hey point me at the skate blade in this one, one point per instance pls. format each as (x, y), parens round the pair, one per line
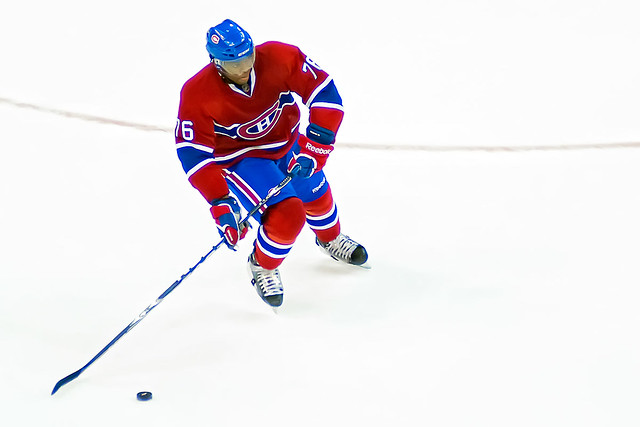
(366, 265)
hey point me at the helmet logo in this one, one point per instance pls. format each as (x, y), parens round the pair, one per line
(215, 39)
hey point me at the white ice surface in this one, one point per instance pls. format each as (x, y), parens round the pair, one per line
(504, 288)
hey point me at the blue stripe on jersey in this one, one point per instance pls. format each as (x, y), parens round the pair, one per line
(231, 131)
(328, 94)
(191, 155)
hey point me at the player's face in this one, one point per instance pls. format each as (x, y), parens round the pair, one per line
(238, 71)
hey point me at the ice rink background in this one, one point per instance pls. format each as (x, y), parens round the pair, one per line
(504, 287)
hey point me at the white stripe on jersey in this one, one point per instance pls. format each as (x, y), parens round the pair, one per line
(318, 89)
(192, 145)
(247, 149)
(328, 105)
(197, 167)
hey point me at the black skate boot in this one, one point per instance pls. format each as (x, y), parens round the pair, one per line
(343, 248)
(267, 283)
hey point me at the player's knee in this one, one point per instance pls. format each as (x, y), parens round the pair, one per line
(321, 205)
(284, 220)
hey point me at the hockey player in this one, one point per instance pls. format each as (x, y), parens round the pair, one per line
(237, 133)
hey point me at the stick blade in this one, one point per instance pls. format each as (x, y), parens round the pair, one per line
(65, 380)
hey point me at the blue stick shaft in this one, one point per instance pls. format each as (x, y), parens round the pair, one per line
(275, 190)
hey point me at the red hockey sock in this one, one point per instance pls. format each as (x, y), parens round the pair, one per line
(322, 217)
(281, 224)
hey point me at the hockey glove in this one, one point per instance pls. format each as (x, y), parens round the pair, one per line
(226, 212)
(311, 152)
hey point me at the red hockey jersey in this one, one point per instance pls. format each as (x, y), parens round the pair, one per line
(220, 124)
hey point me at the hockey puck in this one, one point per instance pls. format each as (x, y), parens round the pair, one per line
(144, 395)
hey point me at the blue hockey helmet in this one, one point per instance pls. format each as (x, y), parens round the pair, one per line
(227, 41)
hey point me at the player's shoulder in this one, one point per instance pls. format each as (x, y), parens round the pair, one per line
(276, 48)
(201, 80)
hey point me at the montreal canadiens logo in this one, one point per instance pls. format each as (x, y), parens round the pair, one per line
(215, 39)
(261, 125)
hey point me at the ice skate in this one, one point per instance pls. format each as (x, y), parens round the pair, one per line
(344, 249)
(267, 283)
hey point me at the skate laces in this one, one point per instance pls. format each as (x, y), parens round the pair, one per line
(269, 282)
(341, 247)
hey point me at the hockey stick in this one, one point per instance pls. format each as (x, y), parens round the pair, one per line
(275, 190)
